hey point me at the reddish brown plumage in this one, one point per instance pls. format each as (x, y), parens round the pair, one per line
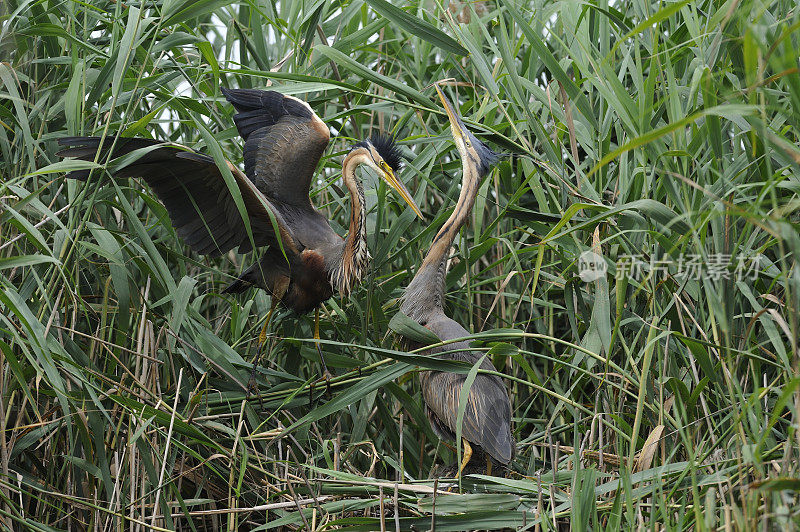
(311, 286)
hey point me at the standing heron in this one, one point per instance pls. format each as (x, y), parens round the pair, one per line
(487, 418)
(305, 260)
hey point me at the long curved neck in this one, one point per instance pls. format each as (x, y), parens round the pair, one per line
(355, 255)
(425, 294)
(440, 247)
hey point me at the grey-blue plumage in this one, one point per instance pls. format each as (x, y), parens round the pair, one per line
(487, 418)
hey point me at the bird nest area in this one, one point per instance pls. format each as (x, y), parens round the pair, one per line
(626, 278)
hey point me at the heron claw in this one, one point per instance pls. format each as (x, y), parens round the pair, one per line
(326, 373)
(252, 386)
(327, 376)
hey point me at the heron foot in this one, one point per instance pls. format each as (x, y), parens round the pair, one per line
(252, 387)
(326, 376)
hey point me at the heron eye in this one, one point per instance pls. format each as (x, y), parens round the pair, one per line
(469, 144)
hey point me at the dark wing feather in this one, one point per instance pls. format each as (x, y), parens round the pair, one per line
(284, 141)
(487, 418)
(195, 194)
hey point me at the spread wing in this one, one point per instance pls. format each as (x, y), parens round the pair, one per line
(284, 141)
(192, 188)
(487, 418)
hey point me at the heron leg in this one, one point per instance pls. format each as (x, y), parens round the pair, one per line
(252, 386)
(488, 465)
(326, 374)
(467, 456)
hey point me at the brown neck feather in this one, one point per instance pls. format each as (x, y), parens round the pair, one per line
(440, 247)
(424, 296)
(355, 254)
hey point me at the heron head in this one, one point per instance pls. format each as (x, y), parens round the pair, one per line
(383, 156)
(478, 154)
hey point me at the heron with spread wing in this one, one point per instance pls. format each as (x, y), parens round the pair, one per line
(305, 260)
(487, 419)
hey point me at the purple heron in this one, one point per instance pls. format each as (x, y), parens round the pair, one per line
(487, 418)
(305, 260)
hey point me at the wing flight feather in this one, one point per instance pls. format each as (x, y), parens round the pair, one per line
(284, 142)
(194, 191)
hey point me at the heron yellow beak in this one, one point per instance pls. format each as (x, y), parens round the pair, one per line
(392, 181)
(456, 124)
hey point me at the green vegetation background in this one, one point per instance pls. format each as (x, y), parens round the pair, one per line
(658, 129)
